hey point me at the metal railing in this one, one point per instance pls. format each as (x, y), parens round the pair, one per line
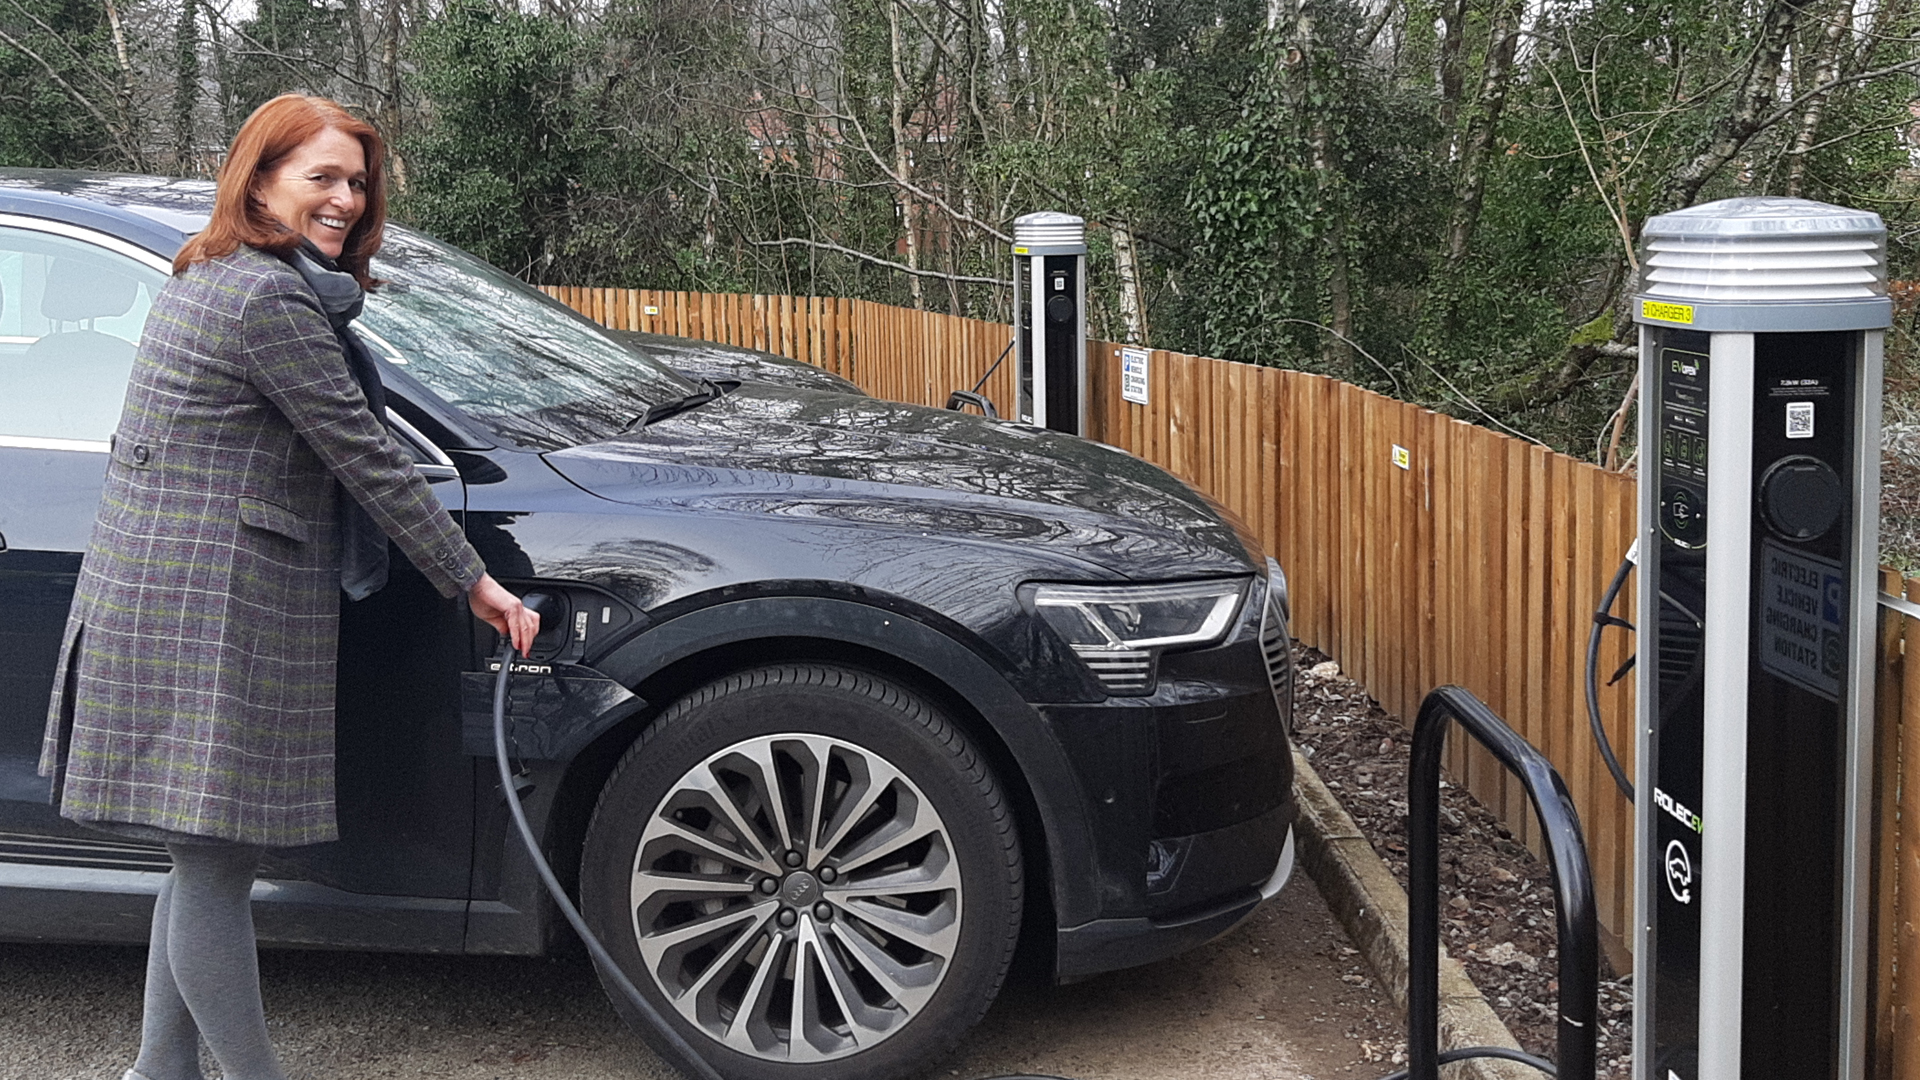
(1579, 938)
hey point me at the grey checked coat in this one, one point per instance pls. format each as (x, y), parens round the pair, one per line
(196, 681)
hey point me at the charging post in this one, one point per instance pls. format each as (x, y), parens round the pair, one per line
(1050, 320)
(1762, 325)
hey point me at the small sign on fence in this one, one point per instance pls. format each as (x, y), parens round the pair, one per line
(1402, 456)
(1133, 375)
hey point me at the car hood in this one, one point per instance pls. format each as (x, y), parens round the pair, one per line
(942, 474)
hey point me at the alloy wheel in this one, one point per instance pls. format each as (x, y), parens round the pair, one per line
(795, 896)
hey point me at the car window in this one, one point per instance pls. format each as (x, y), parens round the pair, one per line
(518, 361)
(70, 316)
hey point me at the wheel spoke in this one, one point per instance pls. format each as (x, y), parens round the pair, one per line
(705, 782)
(935, 932)
(698, 996)
(879, 777)
(656, 945)
(885, 842)
(906, 881)
(657, 884)
(911, 986)
(819, 753)
(750, 1017)
(708, 845)
(761, 754)
(799, 1047)
(862, 1018)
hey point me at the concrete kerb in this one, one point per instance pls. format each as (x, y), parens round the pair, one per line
(1372, 907)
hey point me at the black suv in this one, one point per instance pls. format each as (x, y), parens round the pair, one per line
(833, 695)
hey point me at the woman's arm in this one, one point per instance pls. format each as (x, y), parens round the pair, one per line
(292, 356)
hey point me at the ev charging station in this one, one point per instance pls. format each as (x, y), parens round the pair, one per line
(1050, 320)
(1762, 323)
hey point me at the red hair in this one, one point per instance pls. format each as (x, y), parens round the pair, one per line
(274, 131)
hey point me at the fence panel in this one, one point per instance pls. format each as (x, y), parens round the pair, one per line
(1893, 1037)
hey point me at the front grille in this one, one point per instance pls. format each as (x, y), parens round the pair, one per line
(1121, 671)
(1277, 647)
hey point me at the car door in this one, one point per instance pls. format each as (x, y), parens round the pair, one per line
(72, 302)
(404, 781)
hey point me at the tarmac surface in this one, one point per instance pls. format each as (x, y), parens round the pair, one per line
(1284, 997)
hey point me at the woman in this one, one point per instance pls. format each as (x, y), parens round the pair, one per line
(250, 481)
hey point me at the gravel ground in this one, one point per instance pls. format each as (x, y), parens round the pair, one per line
(1497, 914)
(1284, 997)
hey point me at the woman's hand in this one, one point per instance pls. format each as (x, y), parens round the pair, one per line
(500, 609)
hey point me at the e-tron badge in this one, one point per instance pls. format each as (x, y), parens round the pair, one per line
(1679, 872)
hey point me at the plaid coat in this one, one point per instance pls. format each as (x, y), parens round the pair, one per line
(195, 687)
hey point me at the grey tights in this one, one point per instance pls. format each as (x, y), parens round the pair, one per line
(203, 970)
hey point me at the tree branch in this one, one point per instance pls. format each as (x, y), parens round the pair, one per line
(78, 98)
(823, 245)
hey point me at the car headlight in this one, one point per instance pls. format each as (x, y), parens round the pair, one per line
(1118, 630)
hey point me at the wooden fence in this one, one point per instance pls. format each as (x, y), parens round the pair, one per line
(917, 356)
(1420, 550)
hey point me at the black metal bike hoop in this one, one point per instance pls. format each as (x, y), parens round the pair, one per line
(1579, 938)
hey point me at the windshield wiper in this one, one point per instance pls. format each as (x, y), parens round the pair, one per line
(709, 390)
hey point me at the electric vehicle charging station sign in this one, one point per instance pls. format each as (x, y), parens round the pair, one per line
(1803, 608)
(1133, 375)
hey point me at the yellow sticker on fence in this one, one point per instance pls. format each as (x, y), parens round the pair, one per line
(1654, 309)
(651, 310)
(1402, 456)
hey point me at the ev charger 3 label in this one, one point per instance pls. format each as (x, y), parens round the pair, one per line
(1803, 609)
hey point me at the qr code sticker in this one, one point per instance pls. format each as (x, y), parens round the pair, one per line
(1799, 419)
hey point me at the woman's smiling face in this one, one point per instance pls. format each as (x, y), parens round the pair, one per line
(319, 190)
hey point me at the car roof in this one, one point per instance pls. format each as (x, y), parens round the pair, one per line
(155, 212)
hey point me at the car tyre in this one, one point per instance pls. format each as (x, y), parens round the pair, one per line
(810, 872)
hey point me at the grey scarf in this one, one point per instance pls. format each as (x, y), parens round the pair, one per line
(363, 547)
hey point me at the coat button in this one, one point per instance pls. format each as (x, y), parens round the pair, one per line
(140, 454)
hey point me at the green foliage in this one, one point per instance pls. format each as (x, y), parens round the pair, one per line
(492, 168)
(299, 45)
(1272, 215)
(45, 120)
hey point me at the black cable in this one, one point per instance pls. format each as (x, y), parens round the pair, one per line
(1603, 617)
(608, 968)
(1448, 1057)
(994, 368)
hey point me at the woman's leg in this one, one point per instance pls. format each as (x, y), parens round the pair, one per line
(169, 1041)
(212, 956)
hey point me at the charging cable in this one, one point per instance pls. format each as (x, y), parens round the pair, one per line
(608, 969)
(1604, 617)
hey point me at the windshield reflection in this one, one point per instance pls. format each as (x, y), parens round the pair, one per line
(518, 361)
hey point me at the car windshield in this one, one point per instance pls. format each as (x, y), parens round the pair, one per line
(510, 356)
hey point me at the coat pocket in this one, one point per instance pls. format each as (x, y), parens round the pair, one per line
(274, 518)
